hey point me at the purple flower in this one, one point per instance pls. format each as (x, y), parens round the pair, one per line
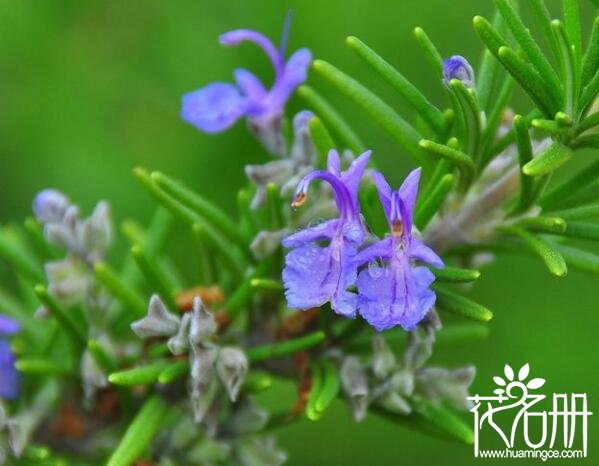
(9, 377)
(457, 67)
(395, 291)
(217, 106)
(313, 273)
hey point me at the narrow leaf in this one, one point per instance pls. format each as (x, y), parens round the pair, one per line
(23, 263)
(578, 259)
(330, 386)
(41, 366)
(154, 276)
(285, 348)
(524, 146)
(458, 304)
(130, 298)
(455, 274)
(442, 418)
(550, 256)
(548, 161)
(431, 114)
(174, 371)
(141, 375)
(583, 178)
(430, 205)
(582, 230)
(580, 213)
(546, 224)
(430, 51)
(322, 140)
(315, 389)
(332, 119)
(591, 56)
(140, 432)
(462, 161)
(399, 129)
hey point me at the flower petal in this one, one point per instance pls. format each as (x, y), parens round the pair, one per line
(408, 192)
(237, 36)
(380, 250)
(323, 231)
(295, 73)
(8, 326)
(334, 162)
(9, 377)
(423, 253)
(250, 85)
(213, 108)
(384, 191)
(353, 175)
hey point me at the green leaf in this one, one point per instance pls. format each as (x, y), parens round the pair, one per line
(266, 284)
(315, 390)
(330, 386)
(582, 230)
(543, 224)
(322, 140)
(583, 178)
(591, 56)
(429, 113)
(548, 161)
(443, 419)
(141, 375)
(430, 205)
(551, 127)
(544, 19)
(524, 146)
(588, 94)
(494, 120)
(274, 205)
(461, 160)
(580, 213)
(136, 305)
(430, 51)
(581, 260)
(460, 305)
(398, 128)
(569, 67)
(472, 115)
(550, 256)
(488, 71)
(587, 123)
(207, 274)
(140, 432)
(174, 371)
(285, 348)
(41, 366)
(154, 276)
(530, 80)
(332, 119)
(572, 26)
(18, 257)
(522, 35)
(455, 274)
(227, 254)
(489, 35)
(63, 316)
(105, 361)
(203, 208)
(590, 141)
(242, 296)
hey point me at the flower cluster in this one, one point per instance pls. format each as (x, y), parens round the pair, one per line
(85, 241)
(395, 292)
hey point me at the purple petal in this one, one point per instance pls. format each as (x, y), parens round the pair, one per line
(8, 326)
(237, 36)
(353, 175)
(309, 276)
(380, 250)
(50, 205)
(409, 190)
(395, 295)
(334, 163)
(423, 253)
(323, 231)
(457, 67)
(384, 191)
(9, 377)
(213, 108)
(250, 85)
(294, 74)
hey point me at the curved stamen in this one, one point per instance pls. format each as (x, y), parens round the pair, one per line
(240, 35)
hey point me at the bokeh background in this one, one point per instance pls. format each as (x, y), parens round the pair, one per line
(91, 88)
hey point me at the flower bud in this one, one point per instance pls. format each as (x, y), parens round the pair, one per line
(383, 361)
(68, 281)
(457, 67)
(355, 386)
(303, 150)
(267, 242)
(158, 323)
(95, 234)
(179, 343)
(442, 385)
(50, 205)
(232, 367)
(203, 325)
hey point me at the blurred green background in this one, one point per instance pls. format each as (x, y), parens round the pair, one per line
(91, 88)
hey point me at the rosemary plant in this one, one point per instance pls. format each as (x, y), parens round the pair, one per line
(138, 365)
